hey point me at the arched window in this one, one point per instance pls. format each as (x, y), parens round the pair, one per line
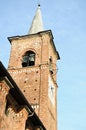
(28, 59)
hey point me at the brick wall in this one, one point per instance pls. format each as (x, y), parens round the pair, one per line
(33, 80)
(10, 117)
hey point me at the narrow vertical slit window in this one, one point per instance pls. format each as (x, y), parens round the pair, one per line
(50, 65)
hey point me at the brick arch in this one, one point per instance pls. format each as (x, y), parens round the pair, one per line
(28, 49)
(28, 58)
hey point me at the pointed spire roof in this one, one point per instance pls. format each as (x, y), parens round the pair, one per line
(37, 24)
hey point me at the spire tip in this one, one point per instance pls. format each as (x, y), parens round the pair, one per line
(39, 5)
(37, 25)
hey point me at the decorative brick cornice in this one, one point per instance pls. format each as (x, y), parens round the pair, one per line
(3, 88)
(23, 70)
(21, 114)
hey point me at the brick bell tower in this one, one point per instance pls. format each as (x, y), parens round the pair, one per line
(32, 65)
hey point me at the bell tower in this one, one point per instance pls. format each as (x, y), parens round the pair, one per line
(32, 65)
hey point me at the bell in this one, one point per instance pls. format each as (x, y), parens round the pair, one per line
(25, 61)
(31, 57)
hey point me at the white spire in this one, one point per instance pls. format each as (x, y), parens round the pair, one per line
(37, 24)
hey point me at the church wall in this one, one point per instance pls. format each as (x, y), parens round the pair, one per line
(10, 118)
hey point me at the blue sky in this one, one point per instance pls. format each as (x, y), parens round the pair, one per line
(67, 20)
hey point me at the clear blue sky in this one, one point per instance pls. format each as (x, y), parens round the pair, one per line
(67, 20)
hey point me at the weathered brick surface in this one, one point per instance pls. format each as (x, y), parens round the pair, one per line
(9, 118)
(33, 80)
(3, 92)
